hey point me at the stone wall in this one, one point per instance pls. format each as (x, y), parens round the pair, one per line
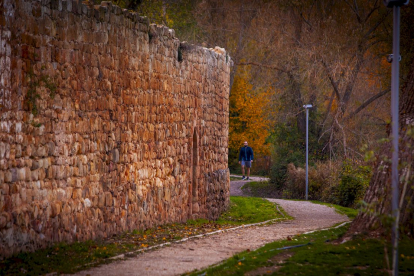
(108, 124)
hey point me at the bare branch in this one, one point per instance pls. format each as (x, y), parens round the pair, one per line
(374, 43)
(353, 77)
(357, 10)
(343, 136)
(306, 21)
(354, 9)
(371, 12)
(331, 79)
(366, 103)
(370, 31)
(329, 107)
(263, 65)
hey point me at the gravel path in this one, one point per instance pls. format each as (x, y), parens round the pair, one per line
(200, 253)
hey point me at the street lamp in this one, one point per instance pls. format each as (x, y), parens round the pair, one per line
(395, 4)
(307, 107)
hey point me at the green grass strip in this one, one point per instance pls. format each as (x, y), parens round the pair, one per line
(350, 212)
(263, 188)
(69, 258)
(317, 255)
(246, 210)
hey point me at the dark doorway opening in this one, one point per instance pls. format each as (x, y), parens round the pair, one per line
(194, 192)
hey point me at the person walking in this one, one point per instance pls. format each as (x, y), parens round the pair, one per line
(246, 159)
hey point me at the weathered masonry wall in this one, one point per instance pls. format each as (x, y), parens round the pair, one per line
(131, 125)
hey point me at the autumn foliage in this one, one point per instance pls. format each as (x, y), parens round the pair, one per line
(248, 120)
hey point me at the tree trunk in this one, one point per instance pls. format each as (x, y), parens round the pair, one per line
(378, 195)
(298, 103)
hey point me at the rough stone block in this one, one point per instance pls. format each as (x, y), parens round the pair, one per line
(77, 194)
(21, 174)
(115, 146)
(56, 208)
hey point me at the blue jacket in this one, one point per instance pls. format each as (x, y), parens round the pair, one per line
(246, 154)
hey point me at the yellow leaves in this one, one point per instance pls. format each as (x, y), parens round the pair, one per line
(169, 20)
(407, 257)
(334, 105)
(248, 116)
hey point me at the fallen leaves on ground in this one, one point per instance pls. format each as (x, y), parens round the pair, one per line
(164, 233)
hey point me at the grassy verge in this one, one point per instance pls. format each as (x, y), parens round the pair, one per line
(69, 258)
(265, 189)
(235, 178)
(350, 212)
(245, 210)
(317, 256)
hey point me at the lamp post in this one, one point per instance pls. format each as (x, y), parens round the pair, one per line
(307, 107)
(395, 59)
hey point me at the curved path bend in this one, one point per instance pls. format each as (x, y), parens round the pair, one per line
(235, 186)
(203, 252)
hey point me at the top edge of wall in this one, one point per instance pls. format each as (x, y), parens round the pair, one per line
(81, 7)
(217, 50)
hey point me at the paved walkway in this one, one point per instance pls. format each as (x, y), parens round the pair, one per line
(203, 252)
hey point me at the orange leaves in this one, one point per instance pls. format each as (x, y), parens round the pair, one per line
(248, 120)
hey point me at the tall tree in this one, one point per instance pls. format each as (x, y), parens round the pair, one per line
(376, 217)
(378, 196)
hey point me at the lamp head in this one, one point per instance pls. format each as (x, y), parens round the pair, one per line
(307, 106)
(392, 3)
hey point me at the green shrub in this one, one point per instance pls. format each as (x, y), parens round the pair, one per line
(278, 175)
(325, 176)
(354, 180)
(295, 182)
(342, 183)
(289, 147)
(279, 169)
(323, 180)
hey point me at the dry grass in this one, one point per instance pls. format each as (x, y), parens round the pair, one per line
(323, 180)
